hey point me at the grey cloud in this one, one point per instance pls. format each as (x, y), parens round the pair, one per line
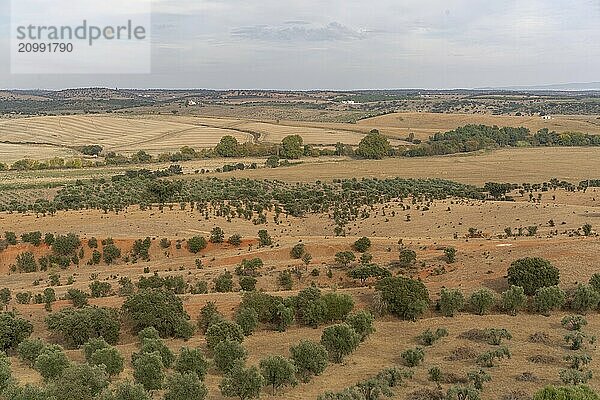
(299, 32)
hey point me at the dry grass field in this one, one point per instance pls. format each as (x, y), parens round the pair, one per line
(504, 165)
(480, 263)
(424, 125)
(426, 227)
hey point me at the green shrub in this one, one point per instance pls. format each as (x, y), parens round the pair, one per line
(482, 301)
(374, 146)
(595, 282)
(243, 383)
(429, 337)
(23, 297)
(451, 301)
(566, 393)
(110, 358)
(51, 362)
(577, 340)
(247, 319)
(29, 349)
(584, 299)
(285, 280)
(78, 326)
(462, 393)
(160, 309)
(156, 346)
(478, 378)
(191, 360)
(100, 289)
(148, 370)
(548, 299)
(264, 239)
(488, 358)
(209, 314)
(278, 372)
(79, 298)
(224, 282)
(450, 253)
(495, 335)
(574, 377)
(337, 306)
(247, 283)
(364, 272)
(406, 298)
(532, 274)
(578, 361)
(93, 345)
(196, 244)
(363, 244)
(297, 251)
(407, 257)
(78, 381)
(573, 322)
(513, 300)
(13, 330)
(413, 357)
(148, 333)
(184, 386)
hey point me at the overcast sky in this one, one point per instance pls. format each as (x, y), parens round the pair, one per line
(353, 44)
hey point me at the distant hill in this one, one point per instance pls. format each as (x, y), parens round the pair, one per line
(587, 86)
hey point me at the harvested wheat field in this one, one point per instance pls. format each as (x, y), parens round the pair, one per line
(10, 153)
(124, 135)
(423, 125)
(505, 165)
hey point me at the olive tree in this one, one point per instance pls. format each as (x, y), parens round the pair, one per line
(148, 370)
(227, 353)
(79, 381)
(340, 341)
(513, 300)
(184, 387)
(243, 383)
(111, 358)
(191, 360)
(51, 362)
(310, 359)
(223, 330)
(481, 301)
(548, 298)
(278, 372)
(13, 330)
(160, 309)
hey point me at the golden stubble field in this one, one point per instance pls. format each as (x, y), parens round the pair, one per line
(54, 136)
(424, 125)
(533, 165)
